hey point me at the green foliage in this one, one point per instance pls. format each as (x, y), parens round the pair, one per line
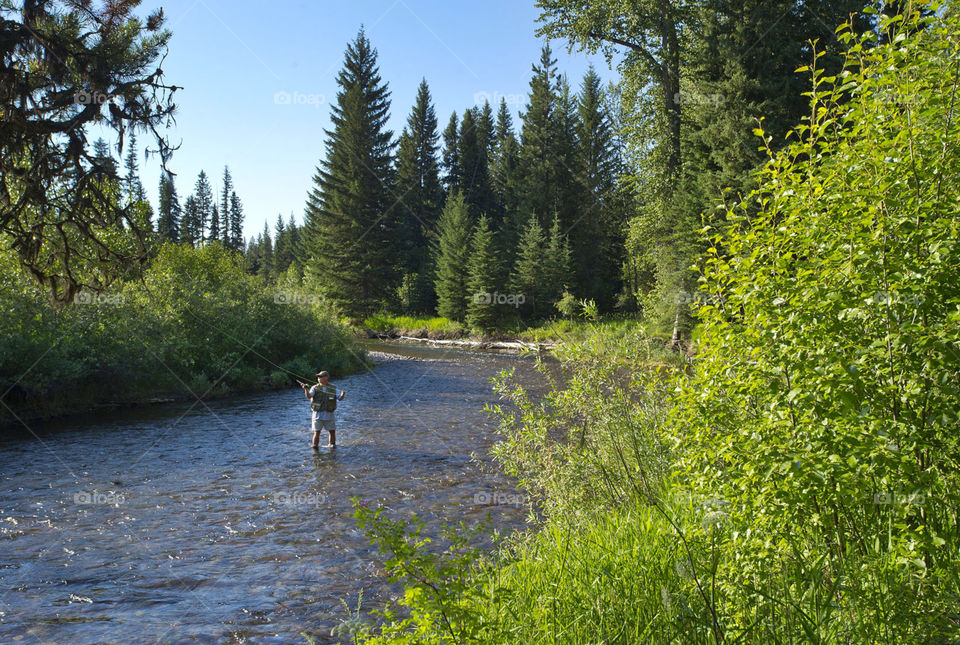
(798, 481)
(418, 184)
(66, 66)
(567, 305)
(409, 325)
(557, 273)
(452, 255)
(196, 325)
(482, 270)
(474, 166)
(348, 244)
(528, 268)
(436, 591)
(825, 402)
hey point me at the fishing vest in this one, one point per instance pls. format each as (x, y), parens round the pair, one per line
(324, 398)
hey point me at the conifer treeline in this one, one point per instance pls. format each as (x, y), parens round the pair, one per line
(203, 217)
(478, 224)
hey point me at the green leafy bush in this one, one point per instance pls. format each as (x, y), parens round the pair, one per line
(824, 406)
(196, 324)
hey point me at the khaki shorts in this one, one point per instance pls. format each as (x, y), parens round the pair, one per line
(324, 424)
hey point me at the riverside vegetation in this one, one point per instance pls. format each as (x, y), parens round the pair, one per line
(796, 482)
(196, 324)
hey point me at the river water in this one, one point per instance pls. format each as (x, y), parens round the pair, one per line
(216, 523)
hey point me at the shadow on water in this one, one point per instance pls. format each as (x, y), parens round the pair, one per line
(217, 523)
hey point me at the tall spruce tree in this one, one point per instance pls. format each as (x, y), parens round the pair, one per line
(213, 231)
(450, 159)
(204, 200)
(452, 256)
(104, 157)
(131, 179)
(418, 183)
(505, 180)
(282, 249)
(267, 266)
(225, 193)
(168, 216)
(486, 128)
(538, 137)
(236, 222)
(556, 272)
(475, 182)
(483, 272)
(567, 172)
(350, 224)
(190, 227)
(527, 276)
(603, 211)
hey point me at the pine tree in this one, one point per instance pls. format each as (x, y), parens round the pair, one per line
(452, 254)
(294, 232)
(483, 272)
(527, 276)
(450, 159)
(251, 258)
(556, 273)
(104, 157)
(603, 212)
(236, 222)
(348, 237)
(142, 211)
(505, 179)
(504, 124)
(567, 173)
(475, 182)
(168, 217)
(418, 183)
(190, 222)
(226, 232)
(538, 157)
(204, 200)
(213, 233)
(131, 179)
(267, 267)
(282, 248)
(483, 117)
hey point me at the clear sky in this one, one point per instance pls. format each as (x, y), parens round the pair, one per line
(258, 79)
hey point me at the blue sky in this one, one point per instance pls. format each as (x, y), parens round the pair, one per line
(258, 80)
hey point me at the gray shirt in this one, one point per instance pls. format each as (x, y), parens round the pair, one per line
(323, 415)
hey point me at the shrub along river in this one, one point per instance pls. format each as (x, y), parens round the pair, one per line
(215, 521)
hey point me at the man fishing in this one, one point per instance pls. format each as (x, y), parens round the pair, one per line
(323, 401)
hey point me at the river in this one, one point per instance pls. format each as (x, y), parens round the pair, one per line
(214, 522)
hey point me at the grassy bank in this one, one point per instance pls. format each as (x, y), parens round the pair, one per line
(439, 328)
(195, 325)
